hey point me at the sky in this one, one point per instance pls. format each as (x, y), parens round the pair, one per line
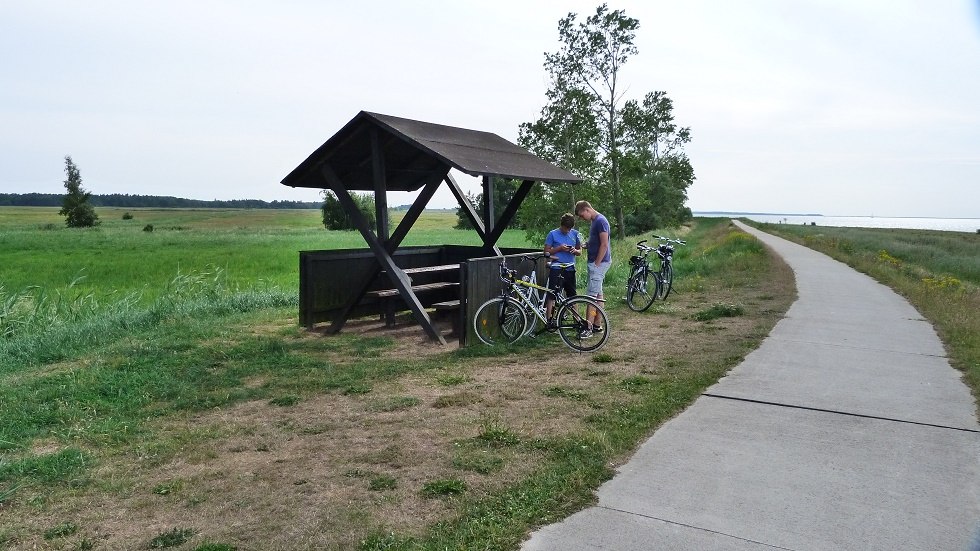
(838, 107)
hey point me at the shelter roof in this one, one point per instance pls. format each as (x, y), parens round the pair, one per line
(414, 150)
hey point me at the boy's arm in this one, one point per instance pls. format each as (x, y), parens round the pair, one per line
(551, 246)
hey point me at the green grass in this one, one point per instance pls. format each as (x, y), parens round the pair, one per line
(937, 271)
(382, 482)
(441, 488)
(60, 531)
(716, 311)
(172, 538)
(255, 248)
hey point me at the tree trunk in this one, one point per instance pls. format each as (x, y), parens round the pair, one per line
(614, 154)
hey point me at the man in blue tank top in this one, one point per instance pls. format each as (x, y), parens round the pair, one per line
(563, 244)
(599, 259)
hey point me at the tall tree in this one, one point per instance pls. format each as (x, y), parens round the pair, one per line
(589, 61)
(75, 208)
(656, 167)
(587, 128)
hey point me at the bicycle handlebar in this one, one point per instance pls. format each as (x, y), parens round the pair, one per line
(506, 274)
(669, 240)
(534, 257)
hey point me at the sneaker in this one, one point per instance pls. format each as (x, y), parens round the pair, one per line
(585, 334)
(597, 329)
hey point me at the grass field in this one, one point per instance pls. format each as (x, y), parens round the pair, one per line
(938, 272)
(167, 418)
(251, 247)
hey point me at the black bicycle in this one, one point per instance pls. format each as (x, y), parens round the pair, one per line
(665, 275)
(643, 285)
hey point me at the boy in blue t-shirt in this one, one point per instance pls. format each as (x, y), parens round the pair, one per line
(563, 244)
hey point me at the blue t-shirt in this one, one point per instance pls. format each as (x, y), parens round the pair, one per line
(599, 225)
(556, 237)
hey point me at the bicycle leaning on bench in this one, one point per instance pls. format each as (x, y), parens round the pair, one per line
(504, 319)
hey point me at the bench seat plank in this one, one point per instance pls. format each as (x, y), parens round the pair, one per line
(432, 269)
(415, 288)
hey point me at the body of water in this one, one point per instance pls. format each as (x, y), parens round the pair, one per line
(970, 225)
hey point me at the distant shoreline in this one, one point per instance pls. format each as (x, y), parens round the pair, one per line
(730, 213)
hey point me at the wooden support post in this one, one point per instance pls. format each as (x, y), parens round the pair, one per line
(470, 212)
(398, 277)
(489, 217)
(380, 186)
(509, 212)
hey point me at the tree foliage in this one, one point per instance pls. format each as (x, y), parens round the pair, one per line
(336, 218)
(76, 209)
(629, 153)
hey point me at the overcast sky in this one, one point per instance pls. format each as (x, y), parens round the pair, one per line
(840, 107)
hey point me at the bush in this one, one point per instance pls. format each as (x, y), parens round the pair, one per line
(148, 227)
(336, 218)
(127, 216)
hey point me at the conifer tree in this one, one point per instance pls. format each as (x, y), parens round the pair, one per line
(75, 208)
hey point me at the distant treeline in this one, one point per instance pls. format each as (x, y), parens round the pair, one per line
(132, 201)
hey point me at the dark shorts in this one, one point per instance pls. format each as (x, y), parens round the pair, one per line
(568, 284)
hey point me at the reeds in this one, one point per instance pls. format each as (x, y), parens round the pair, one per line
(39, 325)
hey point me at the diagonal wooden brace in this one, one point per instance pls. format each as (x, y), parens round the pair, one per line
(398, 277)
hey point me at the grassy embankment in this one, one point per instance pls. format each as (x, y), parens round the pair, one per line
(199, 402)
(938, 272)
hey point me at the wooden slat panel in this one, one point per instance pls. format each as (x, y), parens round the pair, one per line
(483, 283)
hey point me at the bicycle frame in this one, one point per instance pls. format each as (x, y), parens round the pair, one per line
(532, 292)
(504, 318)
(538, 308)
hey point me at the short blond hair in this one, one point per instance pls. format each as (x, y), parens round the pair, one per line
(582, 205)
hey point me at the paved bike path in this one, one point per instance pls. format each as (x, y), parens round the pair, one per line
(846, 429)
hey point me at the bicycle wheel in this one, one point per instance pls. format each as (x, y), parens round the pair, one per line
(571, 324)
(641, 290)
(666, 280)
(500, 321)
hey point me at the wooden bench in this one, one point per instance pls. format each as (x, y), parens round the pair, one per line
(390, 296)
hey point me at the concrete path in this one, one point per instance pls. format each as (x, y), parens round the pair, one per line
(846, 429)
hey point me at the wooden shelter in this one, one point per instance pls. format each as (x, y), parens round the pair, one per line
(381, 153)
